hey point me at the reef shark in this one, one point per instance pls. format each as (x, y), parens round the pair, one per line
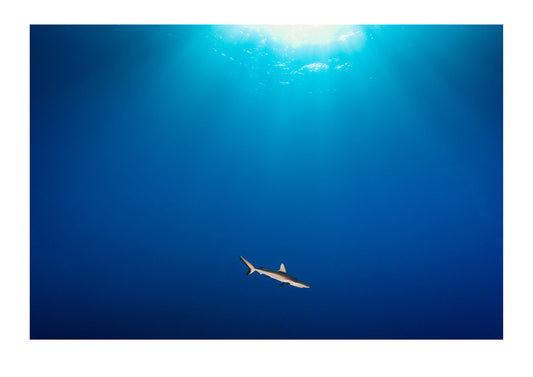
(280, 275)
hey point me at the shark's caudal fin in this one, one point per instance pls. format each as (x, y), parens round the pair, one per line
(250, 266)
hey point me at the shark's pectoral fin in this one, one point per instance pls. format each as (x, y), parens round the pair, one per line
(282, 284)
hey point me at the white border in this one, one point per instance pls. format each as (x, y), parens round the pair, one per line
(21, 356)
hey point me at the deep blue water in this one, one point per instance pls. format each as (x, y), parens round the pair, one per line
(372, 168)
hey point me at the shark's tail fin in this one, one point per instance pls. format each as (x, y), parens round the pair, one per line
(250, 266)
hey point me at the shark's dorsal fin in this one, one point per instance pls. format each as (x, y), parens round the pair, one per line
(282, 268)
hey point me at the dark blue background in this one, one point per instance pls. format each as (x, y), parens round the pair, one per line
(156, 161)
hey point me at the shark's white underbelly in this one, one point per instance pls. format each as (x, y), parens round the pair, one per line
(277, 277)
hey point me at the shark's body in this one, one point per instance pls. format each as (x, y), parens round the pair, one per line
(280, 275)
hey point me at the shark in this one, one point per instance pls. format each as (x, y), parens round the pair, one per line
(280, 275)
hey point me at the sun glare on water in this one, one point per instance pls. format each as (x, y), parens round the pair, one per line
(304, 35)
(306, 55)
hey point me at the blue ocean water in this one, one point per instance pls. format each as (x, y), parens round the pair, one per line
(372, 167)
